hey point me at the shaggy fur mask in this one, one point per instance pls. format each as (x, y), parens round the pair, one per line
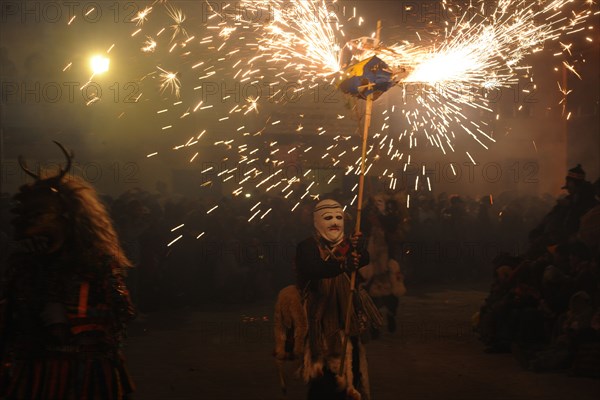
(40, 217)
(40, 212)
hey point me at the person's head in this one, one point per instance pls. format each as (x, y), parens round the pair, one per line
(485, 202)
(552, 276)
(65, 212)
(456, 201)
(328, 217)
(503, 273)
(574, 179)
(379, 202)
(579, 303)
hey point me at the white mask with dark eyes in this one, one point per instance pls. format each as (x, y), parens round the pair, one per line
(329, 221)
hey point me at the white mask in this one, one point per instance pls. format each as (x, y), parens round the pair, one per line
(329, 221)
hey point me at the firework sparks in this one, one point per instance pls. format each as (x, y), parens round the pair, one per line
(142, 16)
(149, 45)
(479, 55)
(302, 42)
(303, 35)
(253, 104)
(170, 80)
(178, 18)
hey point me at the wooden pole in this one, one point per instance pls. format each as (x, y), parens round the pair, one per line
(361, 185)
(361, 178)
(565, 122)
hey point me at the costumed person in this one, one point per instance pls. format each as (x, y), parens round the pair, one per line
(65, 303)
(383, 277)
(324, 263)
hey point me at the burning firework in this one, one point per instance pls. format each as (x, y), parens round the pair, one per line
(289, 48)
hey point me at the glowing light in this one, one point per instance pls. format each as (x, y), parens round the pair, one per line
(99, 64)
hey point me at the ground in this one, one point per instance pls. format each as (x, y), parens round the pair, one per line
(225, 354)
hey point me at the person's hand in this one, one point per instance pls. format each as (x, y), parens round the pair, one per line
(355, 254)
(355, 238)
(355, 260)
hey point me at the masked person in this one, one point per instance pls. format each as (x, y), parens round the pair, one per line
(64, 300)
(324, 263)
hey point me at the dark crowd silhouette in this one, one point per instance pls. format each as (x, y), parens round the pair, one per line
(543, 253)
(543, 305)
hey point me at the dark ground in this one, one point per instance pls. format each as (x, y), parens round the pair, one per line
(225, 354)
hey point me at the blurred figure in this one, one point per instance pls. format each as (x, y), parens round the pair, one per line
(132, 219)
(456, 226)
(579, 200)
(589, 227)
(454, 215)
(562, 222)
(383, 278)
(65, 302)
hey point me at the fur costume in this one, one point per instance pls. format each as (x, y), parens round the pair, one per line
(383, 275)
(65, 301)
(290, 324)
(290, 329)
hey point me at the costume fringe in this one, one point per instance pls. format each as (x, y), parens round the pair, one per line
(66, 379)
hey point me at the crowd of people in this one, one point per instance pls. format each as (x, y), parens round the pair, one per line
(544, 303)
(222, 257)
(544, 253)
(448, 237)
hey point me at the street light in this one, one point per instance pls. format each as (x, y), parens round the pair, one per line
(99, 64)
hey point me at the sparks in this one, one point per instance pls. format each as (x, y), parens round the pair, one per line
(149, 45)
(170, 80)
(442, 81)
(178, 18)
(142, 16)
